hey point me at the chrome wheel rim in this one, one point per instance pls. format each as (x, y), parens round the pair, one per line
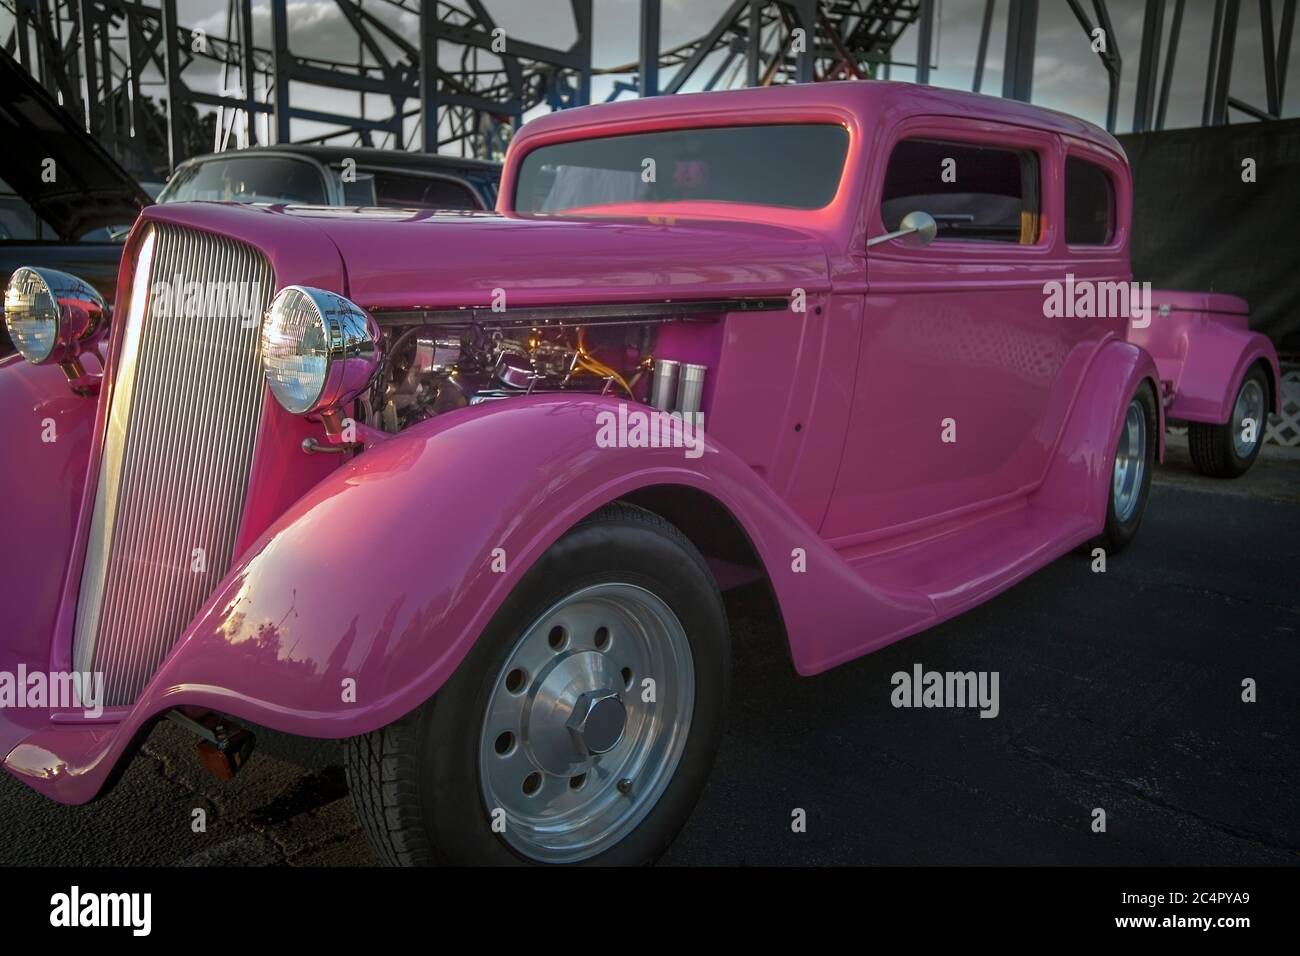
(572, 755)
(1130, 461)
(1249, 404)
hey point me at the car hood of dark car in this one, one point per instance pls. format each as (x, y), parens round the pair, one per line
(89, 189)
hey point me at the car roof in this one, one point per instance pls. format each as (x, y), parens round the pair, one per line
(863, 98)
(369, 156)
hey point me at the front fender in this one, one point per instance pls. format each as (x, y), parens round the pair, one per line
(388, 571)
(383, 576)
(362, 598)
(47, 433)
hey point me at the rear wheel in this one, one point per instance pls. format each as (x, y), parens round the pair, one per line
(582, 725)
(1131, 471)
(1228, 450)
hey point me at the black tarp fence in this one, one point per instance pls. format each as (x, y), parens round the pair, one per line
(1197, 226)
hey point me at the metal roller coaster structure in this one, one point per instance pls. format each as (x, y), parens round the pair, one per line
(449, 79)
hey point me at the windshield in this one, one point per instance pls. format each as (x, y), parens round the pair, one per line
(248, 179)
(794, 166)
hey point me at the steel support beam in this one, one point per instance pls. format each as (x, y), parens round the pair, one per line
(649, 47)
(1153, 26)
(925, 41)
(1272, 94)
(582, 19)
(806, 11)
(1175, 29)
(248, 65)
(22, 17)
(1284, 48)
(1018, 64)
(280, 64)
(429, 102)
(982, 50)
(87, 54)
(706, 43)
(1226, 28)
(172, 78)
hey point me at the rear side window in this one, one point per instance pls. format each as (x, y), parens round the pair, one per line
(422, 192)
(1089, 204)
(973, 192)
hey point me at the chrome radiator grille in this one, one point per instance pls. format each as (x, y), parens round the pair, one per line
(184, 417)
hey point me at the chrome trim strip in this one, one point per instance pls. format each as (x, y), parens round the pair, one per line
(613, 314)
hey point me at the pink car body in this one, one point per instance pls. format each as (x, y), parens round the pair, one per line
(1203, 347)
(823, 461)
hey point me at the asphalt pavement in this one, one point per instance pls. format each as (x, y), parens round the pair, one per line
(1119, 692)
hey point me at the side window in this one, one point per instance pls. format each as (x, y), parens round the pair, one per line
(360, 191)
(422, 192)
(1089, 204)
(973, 192)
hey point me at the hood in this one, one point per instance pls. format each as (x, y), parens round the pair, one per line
(408, 259)
(90, 189)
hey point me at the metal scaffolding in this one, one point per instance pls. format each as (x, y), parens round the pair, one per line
(458, 83)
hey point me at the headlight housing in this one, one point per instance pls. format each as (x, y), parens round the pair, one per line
(51, 315)
(318, 349)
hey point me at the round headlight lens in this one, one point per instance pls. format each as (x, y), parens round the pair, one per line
(31, 315)
(318, 349)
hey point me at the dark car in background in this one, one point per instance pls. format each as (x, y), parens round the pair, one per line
(336, 176)
(65, 203)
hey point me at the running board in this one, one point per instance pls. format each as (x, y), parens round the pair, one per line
(970, 559)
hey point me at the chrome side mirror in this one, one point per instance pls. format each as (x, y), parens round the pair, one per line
(918, 228)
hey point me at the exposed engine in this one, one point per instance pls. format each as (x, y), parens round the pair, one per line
(433, 368)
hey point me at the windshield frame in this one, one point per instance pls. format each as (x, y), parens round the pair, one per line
(827, 215)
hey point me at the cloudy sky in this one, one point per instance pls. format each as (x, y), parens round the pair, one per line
(1067, 74)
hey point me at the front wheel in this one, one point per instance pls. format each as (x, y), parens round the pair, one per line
(1130, 482)
(582, 725)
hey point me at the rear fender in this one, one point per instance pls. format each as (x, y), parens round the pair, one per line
(1218, 358)
(1078, 479)
(1206, 356)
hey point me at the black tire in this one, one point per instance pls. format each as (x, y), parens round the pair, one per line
(415, 784)
(1117, 535)
(1214, 448)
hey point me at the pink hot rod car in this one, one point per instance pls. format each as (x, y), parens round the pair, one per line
(463, 489)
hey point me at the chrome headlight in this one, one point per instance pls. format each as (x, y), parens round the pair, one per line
(51, 315)
(319, 350)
